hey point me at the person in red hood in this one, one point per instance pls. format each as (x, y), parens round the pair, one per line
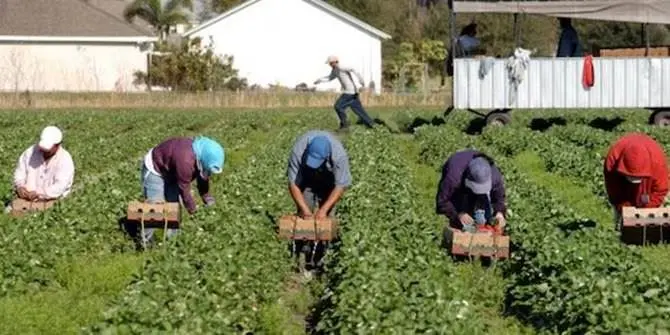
(636, 174)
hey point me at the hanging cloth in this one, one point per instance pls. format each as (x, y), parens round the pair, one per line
(516, 66)
(588, 75)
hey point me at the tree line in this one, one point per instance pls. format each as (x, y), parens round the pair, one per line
(420, 31)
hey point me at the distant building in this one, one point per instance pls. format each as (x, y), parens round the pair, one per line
(286, 42)
(70, 45)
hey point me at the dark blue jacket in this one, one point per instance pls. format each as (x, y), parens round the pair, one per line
(452, 195)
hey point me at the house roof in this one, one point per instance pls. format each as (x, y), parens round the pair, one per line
(317, 3)
(65, 19)
(116, 8)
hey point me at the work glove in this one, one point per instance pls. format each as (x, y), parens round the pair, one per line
(644, 199)
(209, 201)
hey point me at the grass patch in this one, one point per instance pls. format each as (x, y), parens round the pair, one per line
(580, 199)
(87, 285)
(291, 313)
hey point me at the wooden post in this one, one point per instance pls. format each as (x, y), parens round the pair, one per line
(646, 39)
(517, 31)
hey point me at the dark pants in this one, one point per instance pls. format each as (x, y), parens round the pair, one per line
(351, 100)
(313, 251)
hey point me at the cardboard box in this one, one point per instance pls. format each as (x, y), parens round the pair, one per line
(645, 225)
(292, 227)
(21, 207)
(480, 244)
(154, 215)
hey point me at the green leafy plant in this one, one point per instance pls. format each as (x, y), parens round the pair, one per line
(190, 66)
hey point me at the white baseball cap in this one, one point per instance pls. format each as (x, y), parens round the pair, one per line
(50, 136)
(332, 59)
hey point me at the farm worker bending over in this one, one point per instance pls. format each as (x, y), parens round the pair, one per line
(318, 174)
(636, 174)
(471, 191)
(45, 171)
(349, 97)
(170, 167)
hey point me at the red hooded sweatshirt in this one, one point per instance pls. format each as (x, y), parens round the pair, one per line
(636, 155)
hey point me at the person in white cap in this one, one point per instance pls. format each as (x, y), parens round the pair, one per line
(45, 171)
(349, 97)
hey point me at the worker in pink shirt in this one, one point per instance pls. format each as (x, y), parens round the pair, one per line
(45, 170)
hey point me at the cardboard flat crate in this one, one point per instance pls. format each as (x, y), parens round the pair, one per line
(480, 244)
(154, 215)
(292, 227)
(21, 207)
(645, 225)
(663, 51)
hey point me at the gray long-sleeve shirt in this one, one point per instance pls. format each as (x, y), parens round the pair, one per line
(338, 162)
(345, 76)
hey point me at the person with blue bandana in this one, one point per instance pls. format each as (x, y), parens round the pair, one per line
(318, 174)
(169, 169)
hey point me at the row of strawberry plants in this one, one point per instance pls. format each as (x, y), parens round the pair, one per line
(574, 151)
(486, 293)
(224, 272)
(565, 277)
(561, 157)
(570, 278)
(389, 274)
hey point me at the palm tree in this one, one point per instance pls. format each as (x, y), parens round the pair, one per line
(160, 14)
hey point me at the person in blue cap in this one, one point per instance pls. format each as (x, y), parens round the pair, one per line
(471, 191)
(169, 168)
(318, 174)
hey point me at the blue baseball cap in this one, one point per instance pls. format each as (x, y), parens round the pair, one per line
(318, 150)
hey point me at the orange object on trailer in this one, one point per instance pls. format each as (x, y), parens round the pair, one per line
(588, 77)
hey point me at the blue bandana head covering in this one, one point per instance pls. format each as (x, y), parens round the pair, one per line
(209, 155)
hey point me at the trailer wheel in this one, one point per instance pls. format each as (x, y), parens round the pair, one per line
(661, 118)
(498, 118)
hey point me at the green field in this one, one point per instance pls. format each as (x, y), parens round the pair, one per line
(72, 270)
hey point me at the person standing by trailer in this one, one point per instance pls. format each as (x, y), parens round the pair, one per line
(568, 43)
(471, 192)
(636, 174)
(169, 168)
(318, 175)
(349, 96)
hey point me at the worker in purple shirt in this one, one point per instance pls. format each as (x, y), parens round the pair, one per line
(471, 191)
(169, 168)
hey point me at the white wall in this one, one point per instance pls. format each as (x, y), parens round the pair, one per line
(69, 67)
(557, 83)
(287, 42)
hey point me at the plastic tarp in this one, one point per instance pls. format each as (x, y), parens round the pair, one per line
(642, 11)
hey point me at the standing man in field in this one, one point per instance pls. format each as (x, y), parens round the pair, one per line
(169, 168)
(44, 171)
(636, 174)
(349, 96)
(318, 175)
(471, 192)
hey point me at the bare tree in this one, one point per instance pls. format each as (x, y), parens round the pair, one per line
(16, 58)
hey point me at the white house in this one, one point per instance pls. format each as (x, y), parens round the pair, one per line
(286, 42)
(68, 45)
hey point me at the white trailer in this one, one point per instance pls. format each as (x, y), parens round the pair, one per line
(556, 83)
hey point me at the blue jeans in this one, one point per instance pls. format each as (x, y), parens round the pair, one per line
(156, 189)
(314, 252)
(351, 100)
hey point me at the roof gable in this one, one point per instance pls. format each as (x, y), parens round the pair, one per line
(63, 18)
(316, 3)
